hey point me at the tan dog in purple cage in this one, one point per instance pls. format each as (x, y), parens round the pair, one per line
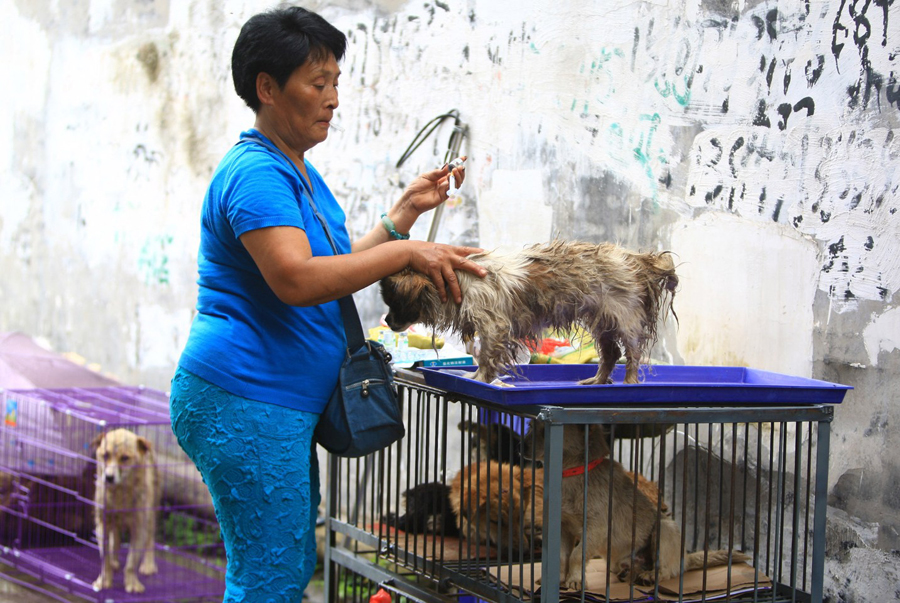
(126, 498)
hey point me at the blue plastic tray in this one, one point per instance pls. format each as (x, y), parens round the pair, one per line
(660, 384)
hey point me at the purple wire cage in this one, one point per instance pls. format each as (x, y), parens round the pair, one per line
(47, 497)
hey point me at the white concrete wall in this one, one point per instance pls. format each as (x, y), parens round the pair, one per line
(756, 139)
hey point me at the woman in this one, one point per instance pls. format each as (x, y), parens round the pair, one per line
(265, 347)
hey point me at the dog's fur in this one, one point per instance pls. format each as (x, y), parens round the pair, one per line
(615, 294)
(126, 496)
(499, 504)
(428, 511)
(650, 490)
(493, 441)
(631, 510)
(428, 507)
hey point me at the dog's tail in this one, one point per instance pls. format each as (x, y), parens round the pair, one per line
(698, 559)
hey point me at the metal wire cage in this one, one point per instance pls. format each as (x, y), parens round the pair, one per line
(458, 510)
(49, 502)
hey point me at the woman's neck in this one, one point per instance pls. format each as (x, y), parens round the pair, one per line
(272, 134)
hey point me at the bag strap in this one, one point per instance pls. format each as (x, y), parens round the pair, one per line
(349, 313)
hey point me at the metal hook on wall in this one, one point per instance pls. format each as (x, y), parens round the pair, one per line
(457, 134)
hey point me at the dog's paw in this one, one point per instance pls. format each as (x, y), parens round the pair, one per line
(564, 584)
(102, 583)
(596, 381)
(624, 574)
(132, 584)
(148, 567)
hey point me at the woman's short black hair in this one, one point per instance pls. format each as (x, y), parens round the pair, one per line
(277, 42)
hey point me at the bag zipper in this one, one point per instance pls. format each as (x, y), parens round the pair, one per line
(365, 384)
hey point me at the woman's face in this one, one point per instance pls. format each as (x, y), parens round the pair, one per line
(302, 111)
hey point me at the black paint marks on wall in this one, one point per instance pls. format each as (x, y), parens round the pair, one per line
(835, 250)
(813, 73)
(857, 22)
(761, 119)
(767, 26)
(785, 109)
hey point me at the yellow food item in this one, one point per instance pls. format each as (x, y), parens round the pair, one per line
(582, 355)
(414, 340)
(423, 342)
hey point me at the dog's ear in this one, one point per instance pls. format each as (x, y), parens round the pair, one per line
(599, 440)
(143, 445)
(98, 439)
(412, 285)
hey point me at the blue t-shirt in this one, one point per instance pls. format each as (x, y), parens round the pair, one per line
(243, 338)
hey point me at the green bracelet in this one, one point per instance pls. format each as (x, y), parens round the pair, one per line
(392, 230)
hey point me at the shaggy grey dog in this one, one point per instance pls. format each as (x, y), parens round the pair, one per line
(615, 294)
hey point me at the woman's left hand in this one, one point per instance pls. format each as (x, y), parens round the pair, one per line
(430, 189)
(423, 194)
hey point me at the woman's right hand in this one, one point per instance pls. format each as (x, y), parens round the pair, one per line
(438, 261)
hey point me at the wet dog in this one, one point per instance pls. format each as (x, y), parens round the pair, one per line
(499, 505)
(616, 295)
(587, 529)
(126, 497)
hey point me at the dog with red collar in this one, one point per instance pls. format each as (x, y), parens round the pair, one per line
(636, 538)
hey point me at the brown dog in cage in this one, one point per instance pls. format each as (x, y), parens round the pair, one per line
(493, 442)
(428, 507)
(616, 295)
(499, 504)
(631, 510)
(126, 496)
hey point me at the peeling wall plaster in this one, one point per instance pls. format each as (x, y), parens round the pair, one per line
(882, 334)
(755, 138)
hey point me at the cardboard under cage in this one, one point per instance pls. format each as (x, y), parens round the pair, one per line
(50, 498)
(523, 580)
(695, 585)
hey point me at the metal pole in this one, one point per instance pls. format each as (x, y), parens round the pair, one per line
(550, 564)
(453, 146)
(818, 555)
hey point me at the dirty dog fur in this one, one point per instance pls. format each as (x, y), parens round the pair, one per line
(615, 294)
(126, 496)
(634, 565)
(499, 504)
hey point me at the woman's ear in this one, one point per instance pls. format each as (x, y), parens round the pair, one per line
(266, 87)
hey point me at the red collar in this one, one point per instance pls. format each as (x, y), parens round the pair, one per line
(580, 469)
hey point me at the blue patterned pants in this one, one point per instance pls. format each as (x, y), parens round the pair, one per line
(259, 462)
